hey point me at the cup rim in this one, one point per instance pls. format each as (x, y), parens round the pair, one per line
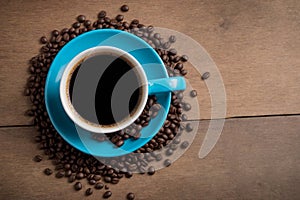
(75, 116)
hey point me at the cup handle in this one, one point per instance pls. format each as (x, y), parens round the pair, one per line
(166, 85)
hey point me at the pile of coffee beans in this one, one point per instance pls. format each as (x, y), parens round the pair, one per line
(71, 163)
(134, 130)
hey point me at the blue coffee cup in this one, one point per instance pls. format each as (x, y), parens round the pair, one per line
(121, 92)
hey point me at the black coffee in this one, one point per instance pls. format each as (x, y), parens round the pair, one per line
(105, 89)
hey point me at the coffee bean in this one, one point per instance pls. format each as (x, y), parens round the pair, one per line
(81, 18)
(72, 178)
(97, 177)
(107, 179)
(179, 66)
(66, 37)
(92, 182)
(106, 187)
(99, 186)
(193, 93)
(58, 38)
(76, 25)
(128, 175)
(172, 51)
(120, 143)
(151, 170)
(135, 22)
(107, 194)
(184, 58)
(102, 14)
(87, 23)
(189, 127)
(187, 106)
(157, 35)
(38, 158)
(205, 76)
(167, 162)
(43, 40)
(114, 180)
(124, 8)
(173, 147)
(79, 176)
(89, 192)
(172, 39)
(183, 72)
(60, 174)
(77, 186)
(48, 171)
(150, 29)
(63, 31)
(68, 173)
(130, 196)
(119, 18)
(177, 140)
(184, 144)
(169, 152)
(166, 45)
(55, 32)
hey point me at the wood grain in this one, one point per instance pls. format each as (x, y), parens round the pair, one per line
(256, 158)
(255, 44)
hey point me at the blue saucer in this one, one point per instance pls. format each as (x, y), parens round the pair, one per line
(80, 138)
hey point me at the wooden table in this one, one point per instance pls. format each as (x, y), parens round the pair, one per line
(256, 46)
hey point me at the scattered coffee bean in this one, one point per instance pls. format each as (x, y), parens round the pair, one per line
(184, 117)
(119, 18)
(189, 127)
(167, 162)
(68, 173)
(184, 144)
(92, 182)
(124, 8)
(55, 32)
(172, 39)
(107, 194)
(87, 23)
(72, 178)
(184, 58)
(106, 187)
(102, 14)
(48, 171)
(80, 175)
(130, 196)
(205, 76)
(76, 25)
(97, 177)
(99, 186)
(166, 45)
(81, 18)
(107, 179)
(193, 93)
(187, 106)
(77, 186)
(169, 152)
(38, 158)
(43, 40)
(177, 140)
(173, 147)
(60, 174)
(89, 192)
(151, 170)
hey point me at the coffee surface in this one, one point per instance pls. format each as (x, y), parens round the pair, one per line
(105, 89)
